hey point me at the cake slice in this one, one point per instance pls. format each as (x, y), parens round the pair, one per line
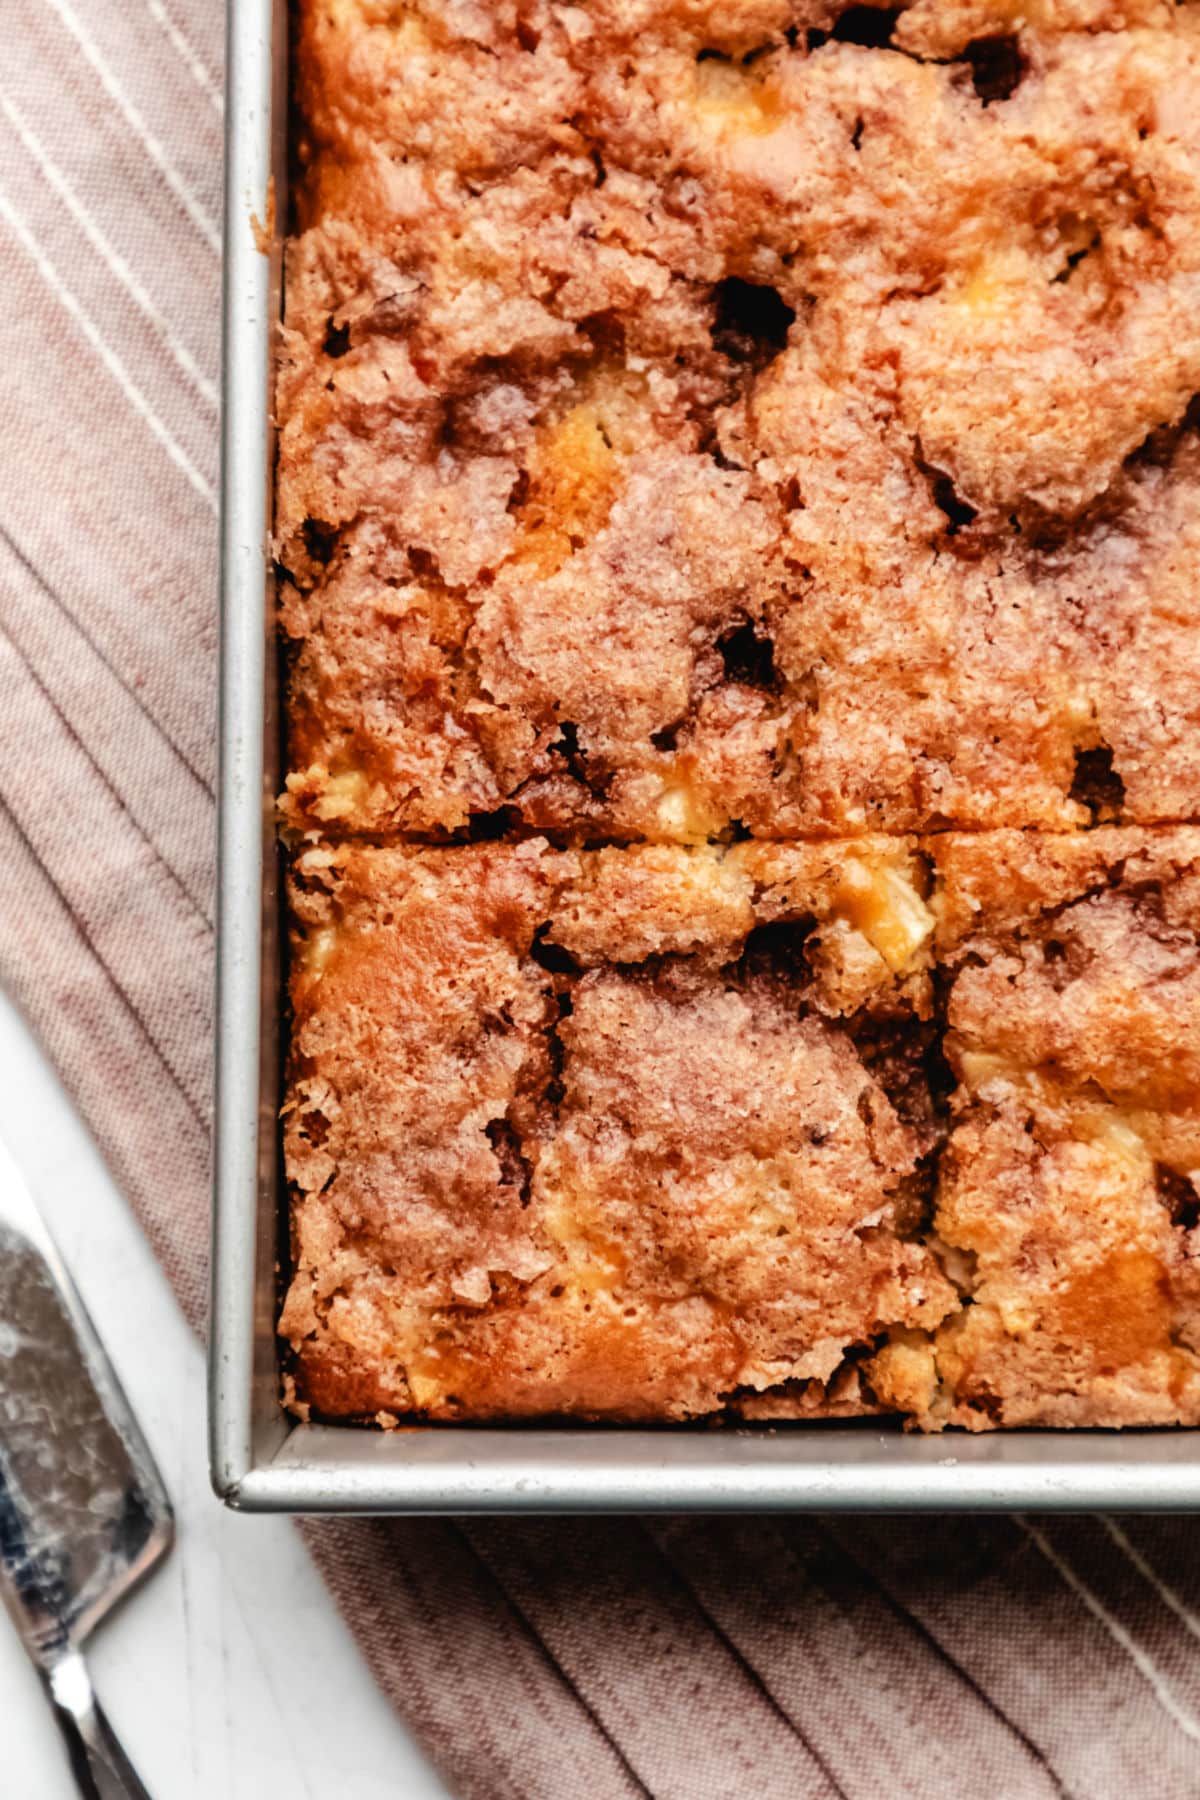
(716, 420)
(629, 1134)
(1067, 1200)
(784, 1130)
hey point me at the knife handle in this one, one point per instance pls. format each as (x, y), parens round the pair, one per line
(101, 1768)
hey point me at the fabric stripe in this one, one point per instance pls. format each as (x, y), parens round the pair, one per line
(106, 354)
(979, 1586)
(77, 636)
(154, 1144)
(748, 1668)
(187, 55)
(635, 1785)
(476, 1686)
(1168, 1594)
(203, 221)
(856, 1669)
(1155, 1545)
(125, 903)
(148, 600)
(1145, 1666)
(203, 914)
(111, 257)
(691, 1721)
(1120, 1590)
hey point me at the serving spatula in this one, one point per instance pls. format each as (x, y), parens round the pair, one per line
(83, 1511)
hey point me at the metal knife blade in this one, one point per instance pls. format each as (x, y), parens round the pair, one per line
(83, 1510)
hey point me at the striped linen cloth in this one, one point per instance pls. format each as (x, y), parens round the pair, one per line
(997, 1659)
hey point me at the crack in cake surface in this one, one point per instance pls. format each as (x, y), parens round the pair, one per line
(714, 436)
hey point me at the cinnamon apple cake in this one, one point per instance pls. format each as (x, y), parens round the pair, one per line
(738, 531)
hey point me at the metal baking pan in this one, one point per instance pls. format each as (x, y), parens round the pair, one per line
(264, 1461)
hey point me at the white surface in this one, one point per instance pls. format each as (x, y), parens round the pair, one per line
(230, 1675)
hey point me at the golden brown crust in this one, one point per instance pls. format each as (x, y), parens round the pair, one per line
(716, 436)
(552, 1156)
(1072, 1015)
(655, 1132)
(707, 419)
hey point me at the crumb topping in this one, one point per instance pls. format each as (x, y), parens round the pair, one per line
(655, 1132)
(738, 532)
(775, 417)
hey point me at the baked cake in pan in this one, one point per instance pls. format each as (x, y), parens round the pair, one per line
(646, 1131)
(621, 1131)
(710, 415)
(738, 522)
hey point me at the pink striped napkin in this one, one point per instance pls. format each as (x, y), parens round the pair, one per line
(688, 1660)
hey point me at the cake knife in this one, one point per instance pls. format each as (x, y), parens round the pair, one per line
(83, 1511)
